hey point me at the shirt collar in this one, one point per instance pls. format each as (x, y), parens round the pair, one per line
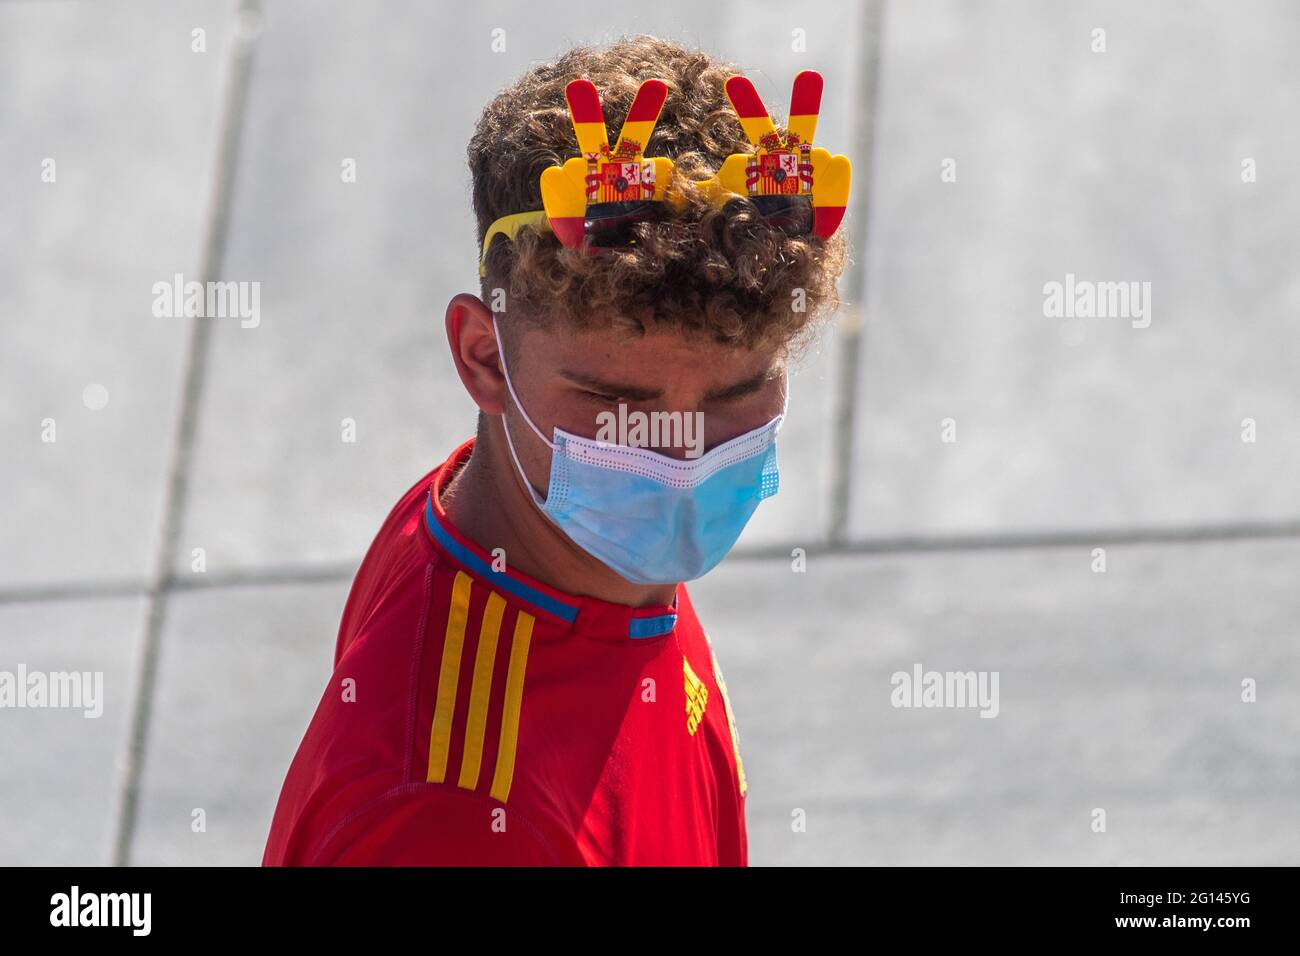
(592, 617)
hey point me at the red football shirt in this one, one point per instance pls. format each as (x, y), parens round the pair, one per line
(478, 716)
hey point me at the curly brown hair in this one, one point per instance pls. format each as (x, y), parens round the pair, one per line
(723, 272)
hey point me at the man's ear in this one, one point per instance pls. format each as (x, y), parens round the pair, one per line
(474, 350)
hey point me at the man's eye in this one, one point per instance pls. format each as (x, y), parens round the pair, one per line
(601, 397)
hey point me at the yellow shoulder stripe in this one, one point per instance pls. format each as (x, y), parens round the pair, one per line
(480, 694)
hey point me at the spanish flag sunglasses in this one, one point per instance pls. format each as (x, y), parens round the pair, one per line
(594, 199)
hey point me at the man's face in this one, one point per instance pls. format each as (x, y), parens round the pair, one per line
(576, 381)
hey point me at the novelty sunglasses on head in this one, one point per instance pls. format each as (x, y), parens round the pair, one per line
(602, 193)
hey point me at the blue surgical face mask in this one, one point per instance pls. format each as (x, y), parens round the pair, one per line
(652, 518)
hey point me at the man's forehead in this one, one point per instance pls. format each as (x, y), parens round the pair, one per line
(646, 367)
(617, 344)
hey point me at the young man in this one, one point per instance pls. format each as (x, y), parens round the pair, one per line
(519, 676)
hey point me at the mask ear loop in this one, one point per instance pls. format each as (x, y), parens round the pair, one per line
(505, 426)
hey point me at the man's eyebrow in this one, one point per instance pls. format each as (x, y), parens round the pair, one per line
(746, 387)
